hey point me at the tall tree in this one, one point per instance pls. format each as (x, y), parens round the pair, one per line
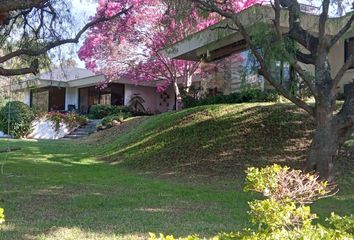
(136, 54)
(29, 29)
(332, 128)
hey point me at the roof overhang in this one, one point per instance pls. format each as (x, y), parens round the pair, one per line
(222, 39)
(43, 83)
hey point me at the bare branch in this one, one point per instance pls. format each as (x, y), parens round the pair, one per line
(304, 58)
(342, 70)
(293, 62)
(20, 71)
(302, 36)
(342, 31)
(322, 23)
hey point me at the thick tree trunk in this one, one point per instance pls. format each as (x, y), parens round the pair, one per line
(325, 142)
(324, 151)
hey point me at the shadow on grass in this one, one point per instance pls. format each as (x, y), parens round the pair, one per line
(56, 190)
(222, 142)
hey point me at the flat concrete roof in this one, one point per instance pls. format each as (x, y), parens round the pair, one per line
(224, 36)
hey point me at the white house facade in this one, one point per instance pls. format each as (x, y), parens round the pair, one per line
(76, 89)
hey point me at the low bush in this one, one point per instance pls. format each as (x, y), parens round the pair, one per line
(249, 95)
(2, 215)
(285, 212)
(71, 119)
(100, 111)
(112, 120)
(136, 105)
(16, 118)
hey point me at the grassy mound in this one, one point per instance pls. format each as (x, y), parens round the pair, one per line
(218, 140)
(59, 190)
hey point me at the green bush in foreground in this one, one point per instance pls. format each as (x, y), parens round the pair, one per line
(16, 118)
(2, 216)
(284, 214)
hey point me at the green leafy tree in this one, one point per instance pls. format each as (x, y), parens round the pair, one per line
(29, 29)
(299, 46)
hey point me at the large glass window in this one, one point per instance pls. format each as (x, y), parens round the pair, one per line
(112, 95)
(40, 100)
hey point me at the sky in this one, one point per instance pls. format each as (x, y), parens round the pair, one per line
(82, 10)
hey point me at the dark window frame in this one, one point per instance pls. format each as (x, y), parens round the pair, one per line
(346, 53)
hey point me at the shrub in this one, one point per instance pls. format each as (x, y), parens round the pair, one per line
(247, 95)
(21, 117)
(57, 118)
(71, 119)
(136, 105)
(100, 111)
(81, 120)
(109, 121)
(2, 215)
(284, 213)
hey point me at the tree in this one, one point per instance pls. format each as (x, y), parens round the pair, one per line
(136, 55)
(29, 29)
(332, 128)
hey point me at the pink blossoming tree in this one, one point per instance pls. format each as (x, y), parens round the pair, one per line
(131, 50)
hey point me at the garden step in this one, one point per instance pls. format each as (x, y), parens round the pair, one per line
(83, 131)
(72, 137)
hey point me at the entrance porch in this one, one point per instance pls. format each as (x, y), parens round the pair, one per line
(81, 99)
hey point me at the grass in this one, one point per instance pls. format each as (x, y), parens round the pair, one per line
(213, 141)
(177, 173)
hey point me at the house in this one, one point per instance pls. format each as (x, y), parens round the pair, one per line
(222, 40)
(64, 89)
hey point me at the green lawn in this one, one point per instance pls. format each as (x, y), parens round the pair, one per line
(125, 183)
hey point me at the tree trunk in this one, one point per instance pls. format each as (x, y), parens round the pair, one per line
(178, 96)
(325, 142)
(189, 82)
(324, 151)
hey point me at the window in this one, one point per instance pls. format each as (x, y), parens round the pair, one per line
(105, 99)
(349, 49)
(40, 100)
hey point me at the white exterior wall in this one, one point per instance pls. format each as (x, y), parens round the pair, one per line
(154, 101)
(27, 97)
(71, 97)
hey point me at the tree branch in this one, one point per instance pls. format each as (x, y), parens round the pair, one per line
(20, 71)
(267, 75)
(50, 45)
(7, 6)
(341, 32)
(295, 30)
(322, 23)
(304, 58)
(292, 61)
(342, 70)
